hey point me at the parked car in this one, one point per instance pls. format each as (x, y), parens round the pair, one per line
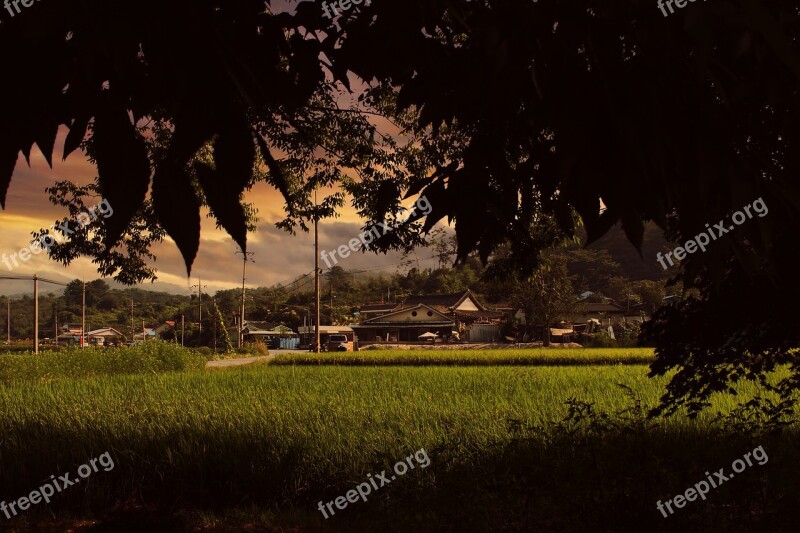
(338, 343)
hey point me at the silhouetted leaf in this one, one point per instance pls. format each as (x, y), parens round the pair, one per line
(8, 160)
(178, 209)
(122, 165)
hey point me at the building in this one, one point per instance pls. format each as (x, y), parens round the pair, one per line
(98, 337)
(166, 327)
(105, 336)
(469, 319)
(279, 336)
(600, 311)
(372, 310)
(409, 325)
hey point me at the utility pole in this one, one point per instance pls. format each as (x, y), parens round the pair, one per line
(200, 305)
(83, 316)
(133, 328)
(330, 290)
(55, 315)
(35, 314)
(183, 329)
(240, 336)
(316, 276)
(8, 317)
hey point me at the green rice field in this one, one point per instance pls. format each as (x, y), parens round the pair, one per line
(531, 446)
(500, 357)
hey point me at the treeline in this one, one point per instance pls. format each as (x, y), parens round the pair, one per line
(342, 294)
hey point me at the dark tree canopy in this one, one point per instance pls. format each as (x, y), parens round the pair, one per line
(592, 113)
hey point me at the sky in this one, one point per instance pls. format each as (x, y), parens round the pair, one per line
(279, 257)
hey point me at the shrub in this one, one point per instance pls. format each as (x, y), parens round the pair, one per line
(205, 351)
(257, 348)
(602, 340)
(627, 333)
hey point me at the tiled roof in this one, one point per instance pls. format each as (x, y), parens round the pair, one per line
(602, 308)
(443, 300)
(373, 308)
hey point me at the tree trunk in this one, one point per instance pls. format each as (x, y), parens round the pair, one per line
(546, 335)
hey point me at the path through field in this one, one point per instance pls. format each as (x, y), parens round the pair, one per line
(247, 360)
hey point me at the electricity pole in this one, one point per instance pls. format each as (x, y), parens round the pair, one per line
(133, 328)
(200, 305)
(35, 314)
(183, 329)
(55, 315)
(316, 277)
(245, 255)
(83, 316)
(8, 316)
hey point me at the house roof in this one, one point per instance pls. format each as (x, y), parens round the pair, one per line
(252, 325)
(446, 301)
(377, 308)
(326, 329)
(602, 308)
(436, 318)
(106, 332)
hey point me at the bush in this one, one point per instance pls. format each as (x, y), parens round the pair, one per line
(602, 340)
(627, 333)
(205, 351)
(257, 348)
(152, 356)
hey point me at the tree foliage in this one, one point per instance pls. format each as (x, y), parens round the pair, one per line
(547, 295)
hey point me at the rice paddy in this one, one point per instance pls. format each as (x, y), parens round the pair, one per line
(525, 446)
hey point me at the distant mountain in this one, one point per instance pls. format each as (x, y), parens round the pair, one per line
(634, 266)
(23, 287)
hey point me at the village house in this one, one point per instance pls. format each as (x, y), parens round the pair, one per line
(71, 334)
(410, 325)
(276, 336)
(459, 316)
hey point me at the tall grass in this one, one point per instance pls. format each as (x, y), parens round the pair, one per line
(91, 361)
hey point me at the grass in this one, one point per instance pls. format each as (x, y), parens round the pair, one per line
(552, 448)
(508, 357)
(75, 362)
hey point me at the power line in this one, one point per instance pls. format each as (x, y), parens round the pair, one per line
(31, 278)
